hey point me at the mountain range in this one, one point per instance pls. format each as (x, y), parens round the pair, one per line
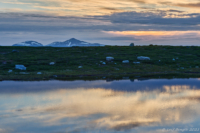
(29, 43)
(69, 43)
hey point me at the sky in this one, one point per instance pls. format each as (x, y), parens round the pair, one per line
(110, 22)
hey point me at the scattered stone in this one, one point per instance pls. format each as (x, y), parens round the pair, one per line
(125, 61)
(109, 58)
(143, 58)
(15, 51)
(103, 63)
(39, 73)
(23, 73)
(80, 67)
(52, 63)
(159, 60)
(4, 62)
(115, 63)
(136, 62)
(10, 71)
(197, 67)
(173, 59)
(132, 44)
(20, 67)
(176, 57)
(182, 67)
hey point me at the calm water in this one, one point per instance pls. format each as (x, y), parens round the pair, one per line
(149, 106)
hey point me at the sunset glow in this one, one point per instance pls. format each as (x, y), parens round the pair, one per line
(100, 21)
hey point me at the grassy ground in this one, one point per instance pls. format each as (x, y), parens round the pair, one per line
(67, 60)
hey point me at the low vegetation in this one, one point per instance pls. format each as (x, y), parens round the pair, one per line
(171, 60)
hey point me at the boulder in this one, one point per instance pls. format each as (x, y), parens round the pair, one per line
(136, 62)
(132, 44)
(20, 67)
(143, 58)
(80, 67)
(10, 71)
(39, 73)
(125, 61)
(23, 73)
(52, 63)
(15, 51)
(109, 58)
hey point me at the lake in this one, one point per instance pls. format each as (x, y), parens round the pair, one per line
(124, 106)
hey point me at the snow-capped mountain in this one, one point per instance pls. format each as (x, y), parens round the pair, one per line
(29, 43)
(73, 42)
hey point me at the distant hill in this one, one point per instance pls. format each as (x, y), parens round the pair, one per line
(29, 43)
(72, 43)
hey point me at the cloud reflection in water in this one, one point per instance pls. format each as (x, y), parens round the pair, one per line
(93, 109)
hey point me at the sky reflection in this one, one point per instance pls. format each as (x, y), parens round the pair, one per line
(96, 106)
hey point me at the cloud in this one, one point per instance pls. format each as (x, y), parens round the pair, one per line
(189, 5)
(153, 18)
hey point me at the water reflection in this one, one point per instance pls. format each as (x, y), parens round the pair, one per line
(92, 108)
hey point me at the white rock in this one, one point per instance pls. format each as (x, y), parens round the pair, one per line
(23, 73)
(125, 61)
(39, 73)
(109, 58)
(143, 58)
(52, 63)
(136, 62)
(10, 71)
(80, 67)
(20, 67)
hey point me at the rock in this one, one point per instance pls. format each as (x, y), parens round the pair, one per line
(143, 58)
(20, 67)
(182, 67)
(39, 73)
(103, 63)
(80, 67)
(10, 71)
(125, 61)
(136, 62)
(23, 73)
(197, 67)
(15, 51)
(132, 44)
(4, 62)
(109, 58)
(173, 59)
(52, 63)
